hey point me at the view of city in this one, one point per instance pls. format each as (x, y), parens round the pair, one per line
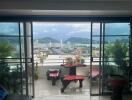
(56, 41)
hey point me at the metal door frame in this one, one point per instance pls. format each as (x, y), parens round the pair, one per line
(100, 55)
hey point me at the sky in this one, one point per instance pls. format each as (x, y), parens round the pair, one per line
(61, 30)
(9, 28)
(65, 30)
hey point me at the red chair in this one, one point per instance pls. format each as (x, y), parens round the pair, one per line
(53, 74)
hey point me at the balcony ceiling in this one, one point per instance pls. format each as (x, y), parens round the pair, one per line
(66, 7)
(67, 12)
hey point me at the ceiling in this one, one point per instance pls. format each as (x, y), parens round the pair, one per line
(66, 7)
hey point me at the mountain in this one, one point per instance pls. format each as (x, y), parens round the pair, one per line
(10, 40)
(73, 40)
(47, 40)
(80, 40)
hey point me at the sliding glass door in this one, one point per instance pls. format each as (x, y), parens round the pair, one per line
(110, 55)
(96, 49)
(16, 62)
(116, 56)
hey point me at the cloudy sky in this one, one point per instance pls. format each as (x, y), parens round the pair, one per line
(61, 30)
(64, 30)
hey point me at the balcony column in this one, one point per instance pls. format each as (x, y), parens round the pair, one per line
(130, 53)
(28, 54)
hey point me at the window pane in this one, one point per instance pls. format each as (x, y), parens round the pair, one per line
(113, 43)
(96, 28)
(117, 29)
(7, 28)
(116, 52)
(13, 46)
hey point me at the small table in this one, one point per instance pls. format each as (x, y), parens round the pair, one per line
(66, 79)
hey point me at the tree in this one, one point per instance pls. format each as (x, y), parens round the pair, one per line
(119, 51)
(116, 51)
(5, 51)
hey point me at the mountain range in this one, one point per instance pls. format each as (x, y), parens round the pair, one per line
(71, 40)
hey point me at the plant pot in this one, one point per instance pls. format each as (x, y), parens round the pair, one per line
(117, 82)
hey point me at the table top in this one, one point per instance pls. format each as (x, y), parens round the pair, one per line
(74, 77)
(73, 65)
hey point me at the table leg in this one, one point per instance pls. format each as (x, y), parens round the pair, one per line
(80, 85)
(65, 83)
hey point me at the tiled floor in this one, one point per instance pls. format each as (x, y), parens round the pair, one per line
(45, 91)
(44, 87)
(79, 97)
(64, 97)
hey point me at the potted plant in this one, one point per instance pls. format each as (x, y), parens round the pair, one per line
(117, 79)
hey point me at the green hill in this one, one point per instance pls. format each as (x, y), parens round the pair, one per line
(47, 40)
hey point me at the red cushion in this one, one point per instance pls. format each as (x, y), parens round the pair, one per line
(95, 73)
(74, 77)
(54, 71)
(54, 74)
(73, 65)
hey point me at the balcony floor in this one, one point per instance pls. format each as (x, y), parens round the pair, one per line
(45, 91)
(43, 87)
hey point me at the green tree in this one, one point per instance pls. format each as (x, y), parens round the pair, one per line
(119, 51)
(5, 51)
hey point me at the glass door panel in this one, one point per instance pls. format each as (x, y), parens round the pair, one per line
(115, 52)
(27, 64)
(95, 59)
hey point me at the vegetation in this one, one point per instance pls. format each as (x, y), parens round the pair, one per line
(116, 52)
(119, 51)
(5, 51)
(114, 57)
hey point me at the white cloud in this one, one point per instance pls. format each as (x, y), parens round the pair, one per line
(81, 25)
(40, 24)
(72, 28)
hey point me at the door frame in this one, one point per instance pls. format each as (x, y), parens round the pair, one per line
(25, 18)
(100, 55)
